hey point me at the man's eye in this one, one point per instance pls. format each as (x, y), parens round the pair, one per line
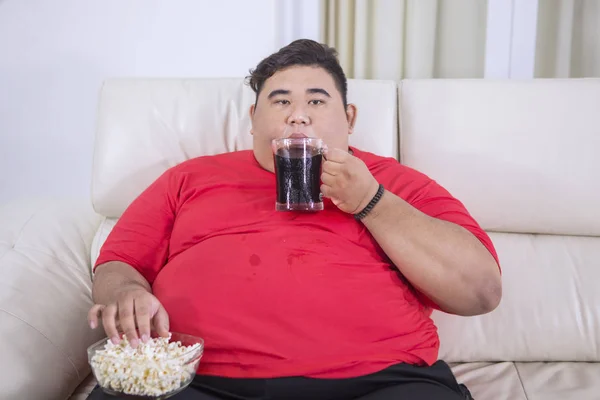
(283, 102)
(316, 102)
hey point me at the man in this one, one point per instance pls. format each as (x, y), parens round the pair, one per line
(327, 305)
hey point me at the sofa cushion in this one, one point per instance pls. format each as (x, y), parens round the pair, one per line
(522, 156)
(494, 381)
(560, 380)
(530, 381)
(550, 310)
(106, 226)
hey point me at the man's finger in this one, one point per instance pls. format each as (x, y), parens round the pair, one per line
(337, 155)
(142, 317)
(332, 167)
(127, 319)
(109, 315)
(93, 315)
(326, 190)
(161, 322)
(328, 179)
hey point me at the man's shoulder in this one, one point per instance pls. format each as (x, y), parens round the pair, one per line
(387, 165)
(234, 159)
(370, 158)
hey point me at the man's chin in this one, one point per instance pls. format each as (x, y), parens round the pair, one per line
(265, 163)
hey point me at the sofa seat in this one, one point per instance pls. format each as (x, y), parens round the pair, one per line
(531, 380)
(502, 381)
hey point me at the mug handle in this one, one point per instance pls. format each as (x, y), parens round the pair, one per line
(323, 151)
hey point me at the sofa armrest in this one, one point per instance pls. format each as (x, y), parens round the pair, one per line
(45, 294)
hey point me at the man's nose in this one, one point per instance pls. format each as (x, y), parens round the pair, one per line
(298, 118)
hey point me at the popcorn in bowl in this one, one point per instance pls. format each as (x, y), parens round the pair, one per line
(159, 367)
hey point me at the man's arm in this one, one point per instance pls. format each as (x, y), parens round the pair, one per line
(442, 260)
(130, 259)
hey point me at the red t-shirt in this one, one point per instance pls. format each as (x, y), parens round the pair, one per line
(279, 293)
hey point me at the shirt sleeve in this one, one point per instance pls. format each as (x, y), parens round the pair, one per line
(141, 236)
(432, 199)
(437, 202)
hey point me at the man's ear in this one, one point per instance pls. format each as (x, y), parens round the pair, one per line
(251, 113)
(351, 113)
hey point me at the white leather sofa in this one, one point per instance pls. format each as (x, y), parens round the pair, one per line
(521, 155)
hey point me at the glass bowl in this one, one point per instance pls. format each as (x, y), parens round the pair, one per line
(135, 374)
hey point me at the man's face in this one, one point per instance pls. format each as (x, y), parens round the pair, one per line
(299, 100)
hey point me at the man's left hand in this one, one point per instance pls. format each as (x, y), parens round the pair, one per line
(347, 181)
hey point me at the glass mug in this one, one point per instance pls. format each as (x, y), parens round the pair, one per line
(298, 164)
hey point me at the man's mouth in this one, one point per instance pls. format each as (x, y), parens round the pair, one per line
(298, 131)
(298, 135)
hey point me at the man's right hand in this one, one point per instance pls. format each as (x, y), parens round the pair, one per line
(133, 307)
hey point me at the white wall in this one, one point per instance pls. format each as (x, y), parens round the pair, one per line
(54, 55)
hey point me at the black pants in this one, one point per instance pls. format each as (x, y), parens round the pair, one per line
(398, 382)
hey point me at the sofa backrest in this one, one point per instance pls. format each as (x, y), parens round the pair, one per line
(146, 126)
(521, 156)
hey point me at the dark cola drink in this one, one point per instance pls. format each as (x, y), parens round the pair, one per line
(298, 174)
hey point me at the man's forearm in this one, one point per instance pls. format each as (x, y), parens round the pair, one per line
(440, 259)
(113, 277)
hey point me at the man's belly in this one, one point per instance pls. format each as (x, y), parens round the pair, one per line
(277, 305)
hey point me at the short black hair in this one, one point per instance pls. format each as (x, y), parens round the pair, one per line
(300, 52)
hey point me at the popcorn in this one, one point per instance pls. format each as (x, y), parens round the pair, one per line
(152, 369)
